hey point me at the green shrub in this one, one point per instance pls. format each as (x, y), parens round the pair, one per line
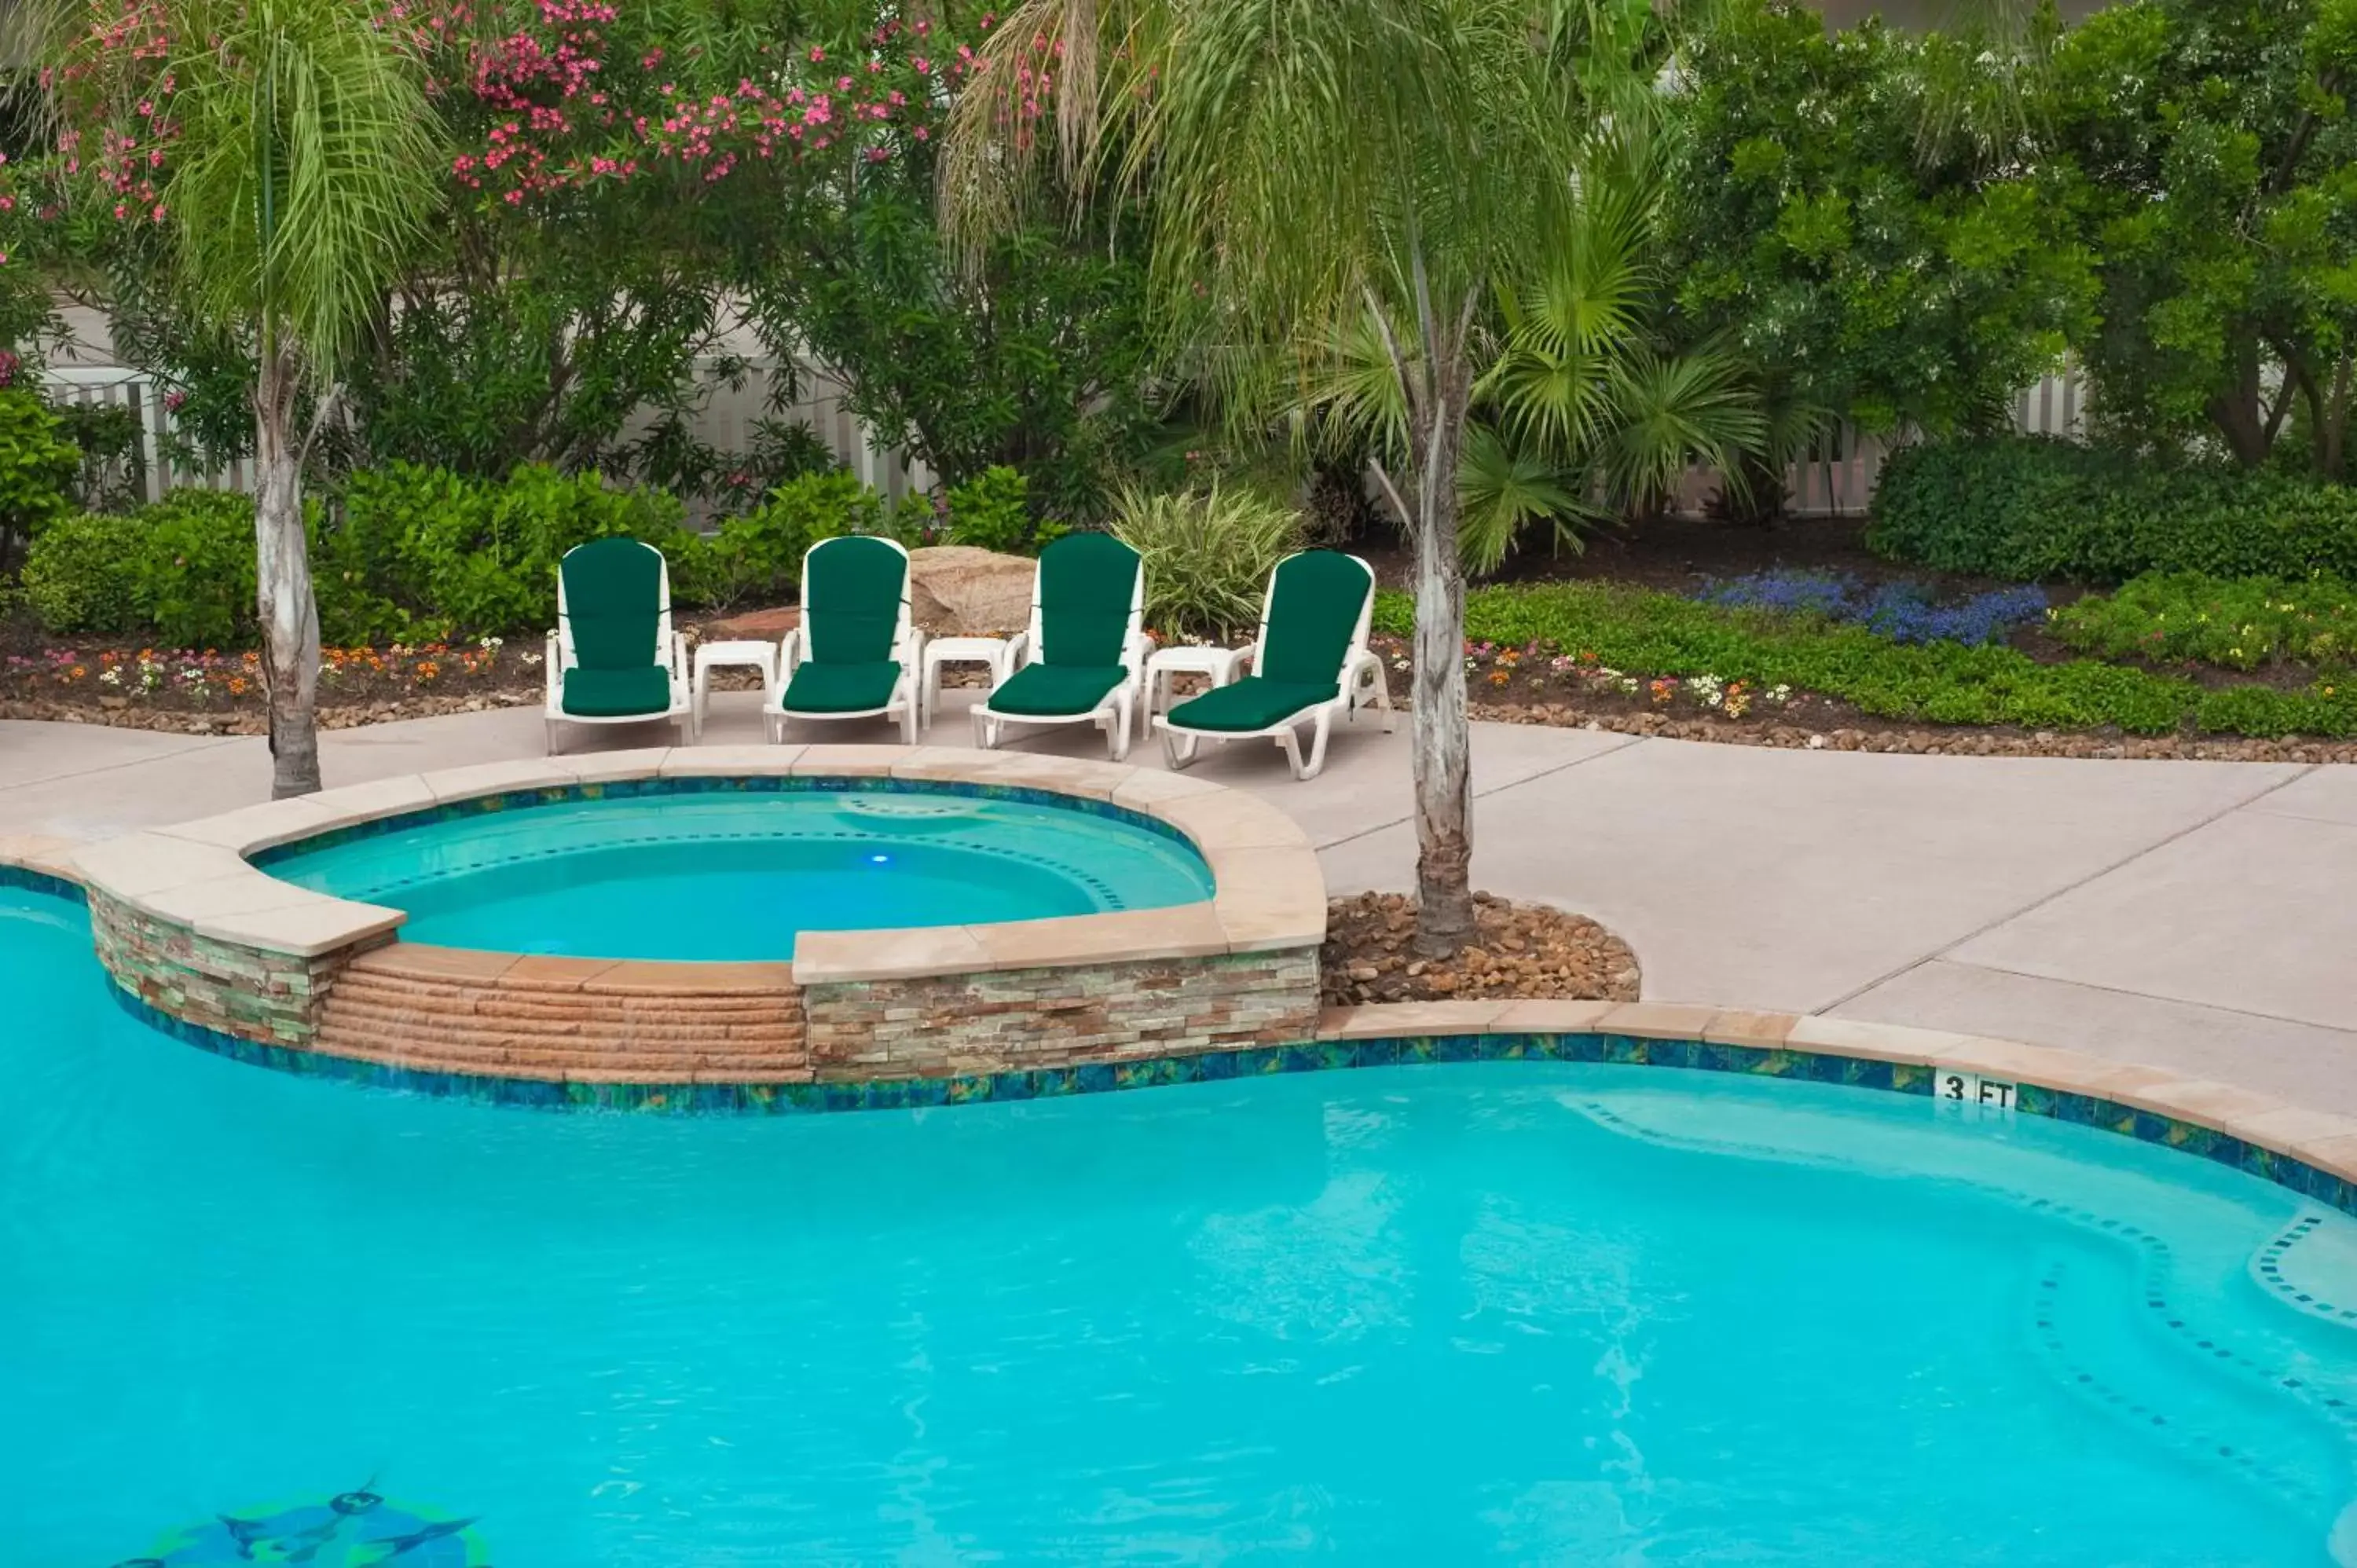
(1941, 682)
(759, 555)
(424, 555)
(37, 466)
(2030, 508)
(1208, 554)
(197, 568)
(992, 512)
(81, 574)
(2238, 623)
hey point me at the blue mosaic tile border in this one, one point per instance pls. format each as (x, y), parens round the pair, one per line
(777, 784)
(25, 876)
(1046, 1083)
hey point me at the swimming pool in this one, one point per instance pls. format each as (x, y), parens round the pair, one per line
(1505, 1312)
(737, 876)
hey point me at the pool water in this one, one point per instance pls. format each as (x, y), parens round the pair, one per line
(737, 877)
(1511, 1311)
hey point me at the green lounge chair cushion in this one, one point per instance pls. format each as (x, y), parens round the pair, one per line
(1312, 614)
(841, 688)
(614, 604)
(851, 601)
(1254, 703)
(616, 694)
(1087, 582)
(1055, 691)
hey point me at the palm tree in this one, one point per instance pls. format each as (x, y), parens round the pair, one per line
(1579, 412)
(1314, 167)
(282, 155)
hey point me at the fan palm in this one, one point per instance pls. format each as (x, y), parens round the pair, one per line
(287, 149)
(1576, 413)
(1321, 168)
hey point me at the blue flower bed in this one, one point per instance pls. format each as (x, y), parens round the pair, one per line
(1901, 611)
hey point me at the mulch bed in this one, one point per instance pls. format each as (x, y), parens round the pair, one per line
(1521, 951)
(1674, 554)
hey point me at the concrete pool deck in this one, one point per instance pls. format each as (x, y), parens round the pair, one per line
(2191, 916)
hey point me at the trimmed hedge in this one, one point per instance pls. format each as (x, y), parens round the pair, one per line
(1943, 682)
(2034, 508)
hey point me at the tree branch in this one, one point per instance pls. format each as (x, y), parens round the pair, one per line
(321, 415)
(1391, 492)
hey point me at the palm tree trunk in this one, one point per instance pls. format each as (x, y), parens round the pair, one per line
(1443, 761)
(290, 614)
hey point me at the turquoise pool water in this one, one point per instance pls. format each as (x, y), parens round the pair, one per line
(1499, 1313)
(738, 877)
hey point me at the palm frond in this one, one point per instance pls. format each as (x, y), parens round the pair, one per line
(304, 164)
(1672, 412)
(1501, 490)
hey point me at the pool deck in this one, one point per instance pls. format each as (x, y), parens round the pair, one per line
(2197, 916)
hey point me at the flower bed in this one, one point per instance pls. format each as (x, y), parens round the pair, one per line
(190, 682)
(1901, 610)
(1631, 649)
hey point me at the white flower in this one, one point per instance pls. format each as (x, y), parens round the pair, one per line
(1705, 688)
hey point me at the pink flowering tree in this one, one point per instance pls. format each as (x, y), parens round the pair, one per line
(270, 165)
(613, 171)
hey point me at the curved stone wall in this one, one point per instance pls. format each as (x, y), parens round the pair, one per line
(189, 925)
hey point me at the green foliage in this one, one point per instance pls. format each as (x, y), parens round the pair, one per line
(443, 555)
(114, 466)
(197, 568)
(2026, 508)
(2238, 623)
(1578, 411)
(759, 555)
(180, 572)
(2206, 150)
(992, 512)
(38, 465)
(1849, 209)
(1207, 555)
(1940, 682)
(1030, 353)
(306, 159)
(81, 574)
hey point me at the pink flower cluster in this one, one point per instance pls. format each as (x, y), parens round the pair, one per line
(571, 107)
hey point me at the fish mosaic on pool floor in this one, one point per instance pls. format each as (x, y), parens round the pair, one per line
(351, 1529)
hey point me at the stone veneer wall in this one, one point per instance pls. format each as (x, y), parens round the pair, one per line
(575, 1020)
(1005, 1020)
(224, 986)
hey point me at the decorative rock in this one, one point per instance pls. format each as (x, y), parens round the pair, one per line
(1556, 955)
(756, 625)
(959, 591)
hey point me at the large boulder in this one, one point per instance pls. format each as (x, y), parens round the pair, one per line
(958, 591)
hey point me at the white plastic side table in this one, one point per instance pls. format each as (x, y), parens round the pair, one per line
(940, 650)
(1220, 663)
(710, 656)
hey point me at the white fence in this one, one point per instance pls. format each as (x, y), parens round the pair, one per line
(726, 421)
(1837, 480)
